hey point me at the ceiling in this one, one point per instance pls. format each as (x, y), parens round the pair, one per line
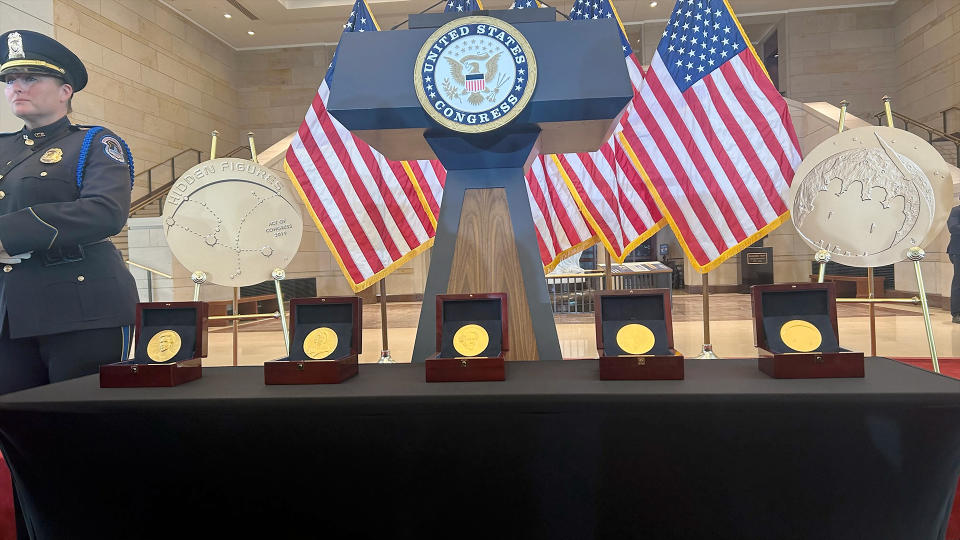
(284, 23)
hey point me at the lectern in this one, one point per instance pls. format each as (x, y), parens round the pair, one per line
(486, 240)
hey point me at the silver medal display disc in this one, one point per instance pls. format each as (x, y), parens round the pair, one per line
(868, 194)
(233, 219)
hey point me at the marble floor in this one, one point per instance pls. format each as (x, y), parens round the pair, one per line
(900, 331)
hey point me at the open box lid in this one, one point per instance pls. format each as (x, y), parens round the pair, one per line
(795, 317)
(325, 328)
(458, 315)
(637, 321)
(169, 332)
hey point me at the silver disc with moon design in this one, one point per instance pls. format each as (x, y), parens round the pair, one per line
(869, 194)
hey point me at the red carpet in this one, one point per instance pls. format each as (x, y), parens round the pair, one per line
(8, 530)
(951, 368)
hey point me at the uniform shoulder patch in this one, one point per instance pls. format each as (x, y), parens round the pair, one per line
(113, 149)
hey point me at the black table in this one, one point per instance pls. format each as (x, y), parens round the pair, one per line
(550, 453)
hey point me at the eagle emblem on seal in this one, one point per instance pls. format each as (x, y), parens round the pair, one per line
(469, 80)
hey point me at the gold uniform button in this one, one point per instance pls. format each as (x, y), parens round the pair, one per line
(44, 173)
(80, 278)
(7, 268)
(2, 195)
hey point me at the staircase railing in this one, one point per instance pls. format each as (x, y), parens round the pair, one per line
(933, 134)
(943, 114)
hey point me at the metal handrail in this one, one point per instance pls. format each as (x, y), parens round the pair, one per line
(931, 131)
(151, 270)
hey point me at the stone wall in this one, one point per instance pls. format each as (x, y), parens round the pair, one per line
(160, 82)
(840, 54)
(276, 86)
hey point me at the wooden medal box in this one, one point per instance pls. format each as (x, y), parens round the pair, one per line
(189, 320)
(342, 314)
(815, 303)
(651, 308)
(454, 311)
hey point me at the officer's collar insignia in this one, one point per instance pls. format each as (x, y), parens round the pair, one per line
(53, 155)
(39, 134)
(14, 46)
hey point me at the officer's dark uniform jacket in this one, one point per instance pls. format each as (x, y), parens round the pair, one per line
(75, 279)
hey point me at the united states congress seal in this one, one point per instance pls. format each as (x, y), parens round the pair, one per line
(475, 74)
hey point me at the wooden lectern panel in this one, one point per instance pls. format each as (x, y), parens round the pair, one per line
(485, 260)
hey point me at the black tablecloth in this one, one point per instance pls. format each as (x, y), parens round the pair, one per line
(550, 453)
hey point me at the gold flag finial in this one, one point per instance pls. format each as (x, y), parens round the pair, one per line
(213, 144)
(253, 147)
(886, 107)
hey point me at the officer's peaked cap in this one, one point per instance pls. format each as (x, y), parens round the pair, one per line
(23, 51)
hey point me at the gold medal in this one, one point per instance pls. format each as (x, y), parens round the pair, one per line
(320, 343)
(163, 346)
(52, 155)
(635, 339)
(800, 335)
(471, 340)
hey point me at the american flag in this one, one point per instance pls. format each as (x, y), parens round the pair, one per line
(463, 6)
(370, 210)
(606, 185)
(714, 137)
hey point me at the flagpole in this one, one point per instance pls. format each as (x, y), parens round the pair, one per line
(384, 344)
(707, 352)
(607, 271)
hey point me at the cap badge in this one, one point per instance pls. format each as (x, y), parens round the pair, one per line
(14, 46)
(52, 155)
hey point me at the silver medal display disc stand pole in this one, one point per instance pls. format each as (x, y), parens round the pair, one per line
(278, 275)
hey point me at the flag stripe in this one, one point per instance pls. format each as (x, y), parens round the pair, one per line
(727, 106)
(669, 145)
(710, 146)
(351, 193)
(698, 175)
(683, 215)
(300, 167)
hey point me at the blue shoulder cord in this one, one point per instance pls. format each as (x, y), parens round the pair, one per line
(85, 149)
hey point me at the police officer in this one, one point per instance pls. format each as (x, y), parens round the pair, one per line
(67, 299)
